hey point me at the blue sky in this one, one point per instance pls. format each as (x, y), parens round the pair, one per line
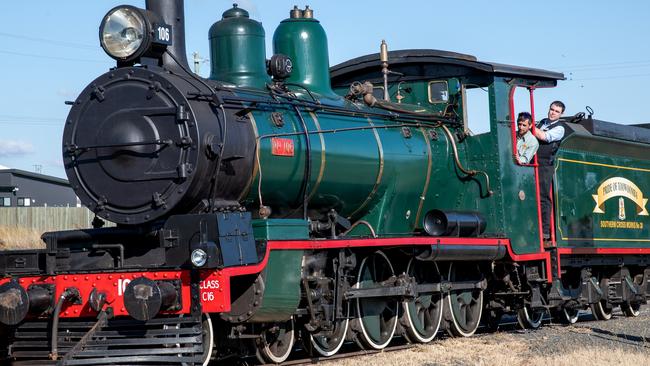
(49, 52)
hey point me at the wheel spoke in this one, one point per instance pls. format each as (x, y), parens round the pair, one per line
(425, 300)
(373, 326)
(469, 315)
(391, 309)
(464, 306)
(423, 315)
(462, 321)
(384, 326)
(373, 269)
(426, 317)
(377, 317)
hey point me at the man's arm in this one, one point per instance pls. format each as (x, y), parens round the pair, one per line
(541, 135)
(554, 134)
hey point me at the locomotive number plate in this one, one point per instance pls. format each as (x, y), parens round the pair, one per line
(162, 33)
(282, 146)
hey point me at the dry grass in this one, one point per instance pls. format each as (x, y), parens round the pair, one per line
(14, 238)
(500, 350)
(496, 349)
(593, 356)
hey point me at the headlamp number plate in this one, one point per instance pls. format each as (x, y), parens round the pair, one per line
(162, 33)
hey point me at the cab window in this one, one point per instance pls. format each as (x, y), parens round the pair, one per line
(476, 109)
(438, 92)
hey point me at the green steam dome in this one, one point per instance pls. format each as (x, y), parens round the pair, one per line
(237, 50)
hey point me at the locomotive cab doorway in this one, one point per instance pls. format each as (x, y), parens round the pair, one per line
(525, 96)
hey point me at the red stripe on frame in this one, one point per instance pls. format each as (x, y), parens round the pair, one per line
(369, 243)
(362, 243)
(608, 251)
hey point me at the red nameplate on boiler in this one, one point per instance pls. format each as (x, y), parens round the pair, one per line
(282, 147)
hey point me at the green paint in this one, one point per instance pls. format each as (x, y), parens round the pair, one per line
(380, 175)
(274, 229)
(282, 286)
(415, 94)
(305, 42)
(618, 175)
(237, 50)
(375, 174)
(515, 206)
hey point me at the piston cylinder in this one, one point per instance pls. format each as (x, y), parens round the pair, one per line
(14, 303)
(144, 298)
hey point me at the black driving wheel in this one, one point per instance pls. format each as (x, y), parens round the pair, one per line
(422, 315)
(327, 342)
(275, 344)
(376, 316)
(465, 305)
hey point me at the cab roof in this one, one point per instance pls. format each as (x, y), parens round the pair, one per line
(418, 63)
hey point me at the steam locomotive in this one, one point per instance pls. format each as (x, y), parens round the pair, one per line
(282, 201)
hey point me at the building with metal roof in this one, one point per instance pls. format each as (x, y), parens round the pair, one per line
(24, 189)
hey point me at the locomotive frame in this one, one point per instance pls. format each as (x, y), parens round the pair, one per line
(373, 218)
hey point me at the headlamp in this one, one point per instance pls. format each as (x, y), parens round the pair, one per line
(128, 33)
(199, 257)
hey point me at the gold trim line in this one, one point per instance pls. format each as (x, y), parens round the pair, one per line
(380, 173)
(426, 183)
(249, 184)
(601, 164)
(323, 160)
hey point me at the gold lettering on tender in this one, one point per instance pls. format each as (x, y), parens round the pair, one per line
(632, 225)
(620, 187)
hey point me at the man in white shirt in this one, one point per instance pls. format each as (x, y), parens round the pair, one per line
(550, 132)
(526, 143)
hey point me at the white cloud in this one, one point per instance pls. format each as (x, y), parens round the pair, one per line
(15, 148)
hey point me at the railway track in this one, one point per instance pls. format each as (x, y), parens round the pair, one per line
(507, 325)
(345, 355)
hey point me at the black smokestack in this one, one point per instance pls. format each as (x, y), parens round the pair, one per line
(172, 13)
